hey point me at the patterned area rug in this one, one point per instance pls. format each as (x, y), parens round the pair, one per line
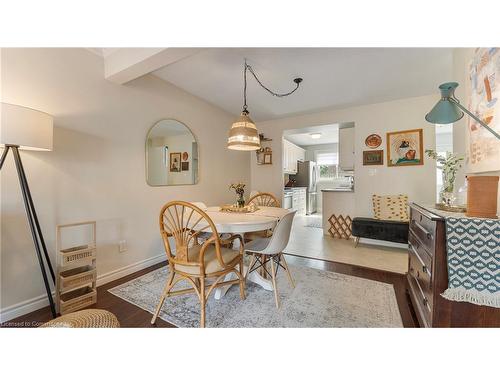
(320, 299)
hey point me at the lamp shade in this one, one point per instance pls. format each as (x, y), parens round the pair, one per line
(25, 127)
(243, 135)
(445, 111)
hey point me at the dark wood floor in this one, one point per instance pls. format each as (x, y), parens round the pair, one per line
(132, 316)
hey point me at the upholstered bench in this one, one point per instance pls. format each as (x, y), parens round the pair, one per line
(376, 229)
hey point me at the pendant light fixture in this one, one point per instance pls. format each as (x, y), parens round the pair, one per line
(243, 135)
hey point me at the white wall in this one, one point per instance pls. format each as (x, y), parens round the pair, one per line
(461, 59)
(419, 182)
(97, 168)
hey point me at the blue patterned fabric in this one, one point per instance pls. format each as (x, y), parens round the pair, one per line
(473, 250)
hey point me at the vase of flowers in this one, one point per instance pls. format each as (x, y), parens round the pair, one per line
(239, 189)
(449, 165)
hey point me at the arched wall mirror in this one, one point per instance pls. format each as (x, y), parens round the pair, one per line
(171, 154)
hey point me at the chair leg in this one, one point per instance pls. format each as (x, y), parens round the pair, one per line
(253, 259)
(290, 278)
(263, 269)
(242, 280)
(202, 302)
(275, 287)
(356, 242)
(168, 285)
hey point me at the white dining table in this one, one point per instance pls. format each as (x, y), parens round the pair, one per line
(240, 223)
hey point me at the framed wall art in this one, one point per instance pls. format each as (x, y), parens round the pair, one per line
(482, 148)
(405, 148)
(175, 162)
(373, 157)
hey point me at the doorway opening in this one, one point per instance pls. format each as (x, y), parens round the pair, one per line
(311, 165)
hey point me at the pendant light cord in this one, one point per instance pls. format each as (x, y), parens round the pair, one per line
(297, 81)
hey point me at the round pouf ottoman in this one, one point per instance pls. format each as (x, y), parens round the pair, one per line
(91, 318)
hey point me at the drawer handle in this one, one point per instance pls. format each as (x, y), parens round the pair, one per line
(425, 301)
(427, 233)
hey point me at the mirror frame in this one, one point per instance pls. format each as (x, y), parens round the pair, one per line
(146, 153)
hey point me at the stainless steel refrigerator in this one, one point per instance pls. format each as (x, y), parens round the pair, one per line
(307, 176)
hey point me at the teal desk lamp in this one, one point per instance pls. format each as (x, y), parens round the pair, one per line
(449, 110)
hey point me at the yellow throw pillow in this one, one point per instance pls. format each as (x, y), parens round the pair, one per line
(390, 207)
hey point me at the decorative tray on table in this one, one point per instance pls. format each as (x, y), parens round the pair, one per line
(234, 208)
(443, 207)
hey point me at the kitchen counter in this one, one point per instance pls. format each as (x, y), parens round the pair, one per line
(348, 190)
(336, 202)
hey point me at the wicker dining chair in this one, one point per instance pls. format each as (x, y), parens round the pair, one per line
(264, 199)
(183, 222)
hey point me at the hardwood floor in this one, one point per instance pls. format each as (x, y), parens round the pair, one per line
(132, 316)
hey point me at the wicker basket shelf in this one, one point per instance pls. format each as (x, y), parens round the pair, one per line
(77, 299)
(76, 282)
(76, 277)
(78, 254)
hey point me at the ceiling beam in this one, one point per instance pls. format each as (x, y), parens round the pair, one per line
(127, 64)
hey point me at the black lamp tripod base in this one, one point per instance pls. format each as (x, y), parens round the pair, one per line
(36, 232)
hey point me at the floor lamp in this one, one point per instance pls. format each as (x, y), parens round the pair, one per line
(23, 128)
(449, 110)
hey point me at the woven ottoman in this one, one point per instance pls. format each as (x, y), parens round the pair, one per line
(375, 229)
(91, 318)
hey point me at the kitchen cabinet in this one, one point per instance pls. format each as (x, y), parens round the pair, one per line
(291, 155)
(346, 149)
(299, 200)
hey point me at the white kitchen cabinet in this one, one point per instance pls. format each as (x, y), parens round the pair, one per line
(299, 200)
(346, 149)
(291, 154)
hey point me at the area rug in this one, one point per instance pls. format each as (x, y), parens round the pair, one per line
(320, 299)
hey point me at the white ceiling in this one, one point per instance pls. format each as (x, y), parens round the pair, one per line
(103, 52)
(302, 137)
(333, 77)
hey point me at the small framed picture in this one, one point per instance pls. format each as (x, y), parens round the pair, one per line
(268, 157)
(185, 166)
(175, 162)
(374, 157)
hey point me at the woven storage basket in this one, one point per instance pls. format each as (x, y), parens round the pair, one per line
(77, 299)
(77, 254)
(482, 194)
(76, 277)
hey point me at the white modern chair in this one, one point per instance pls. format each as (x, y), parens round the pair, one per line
(272, 248)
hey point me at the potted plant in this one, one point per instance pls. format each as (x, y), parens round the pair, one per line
(239, 189)
(449, 165)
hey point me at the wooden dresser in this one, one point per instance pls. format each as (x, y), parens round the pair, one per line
(428, 277)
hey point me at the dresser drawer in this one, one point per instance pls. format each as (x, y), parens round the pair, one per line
(424, 229)
(423, 252)
(419, 301)
(420, 269)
